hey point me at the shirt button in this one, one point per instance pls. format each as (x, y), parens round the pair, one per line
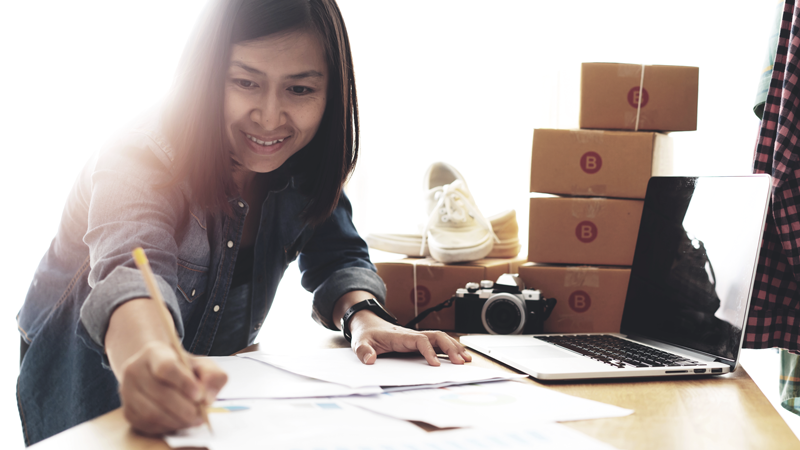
(258, 325)
(193, 292)
(216, 308)
(241, 205)
(230, 244)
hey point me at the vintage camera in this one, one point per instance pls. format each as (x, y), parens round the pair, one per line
(504, 307)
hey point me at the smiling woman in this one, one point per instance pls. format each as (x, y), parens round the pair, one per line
(275, 96)
(236, 175)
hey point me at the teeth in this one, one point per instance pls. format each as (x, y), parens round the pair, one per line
(264, 143)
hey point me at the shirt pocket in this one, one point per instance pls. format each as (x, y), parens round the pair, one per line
(192, 280)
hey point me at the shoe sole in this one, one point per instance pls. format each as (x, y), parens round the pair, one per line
(409, 244)
(454, 255)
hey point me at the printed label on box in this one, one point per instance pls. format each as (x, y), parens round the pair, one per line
(586, 231)
(633, 97)
(423, 296)
(591, 162)
(580, 301)
(590, 299)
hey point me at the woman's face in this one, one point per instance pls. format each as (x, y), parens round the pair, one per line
(275, 94)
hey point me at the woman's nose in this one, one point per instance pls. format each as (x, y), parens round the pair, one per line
(269, 112)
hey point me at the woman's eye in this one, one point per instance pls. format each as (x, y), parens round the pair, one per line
(247, 84)
(300, 90)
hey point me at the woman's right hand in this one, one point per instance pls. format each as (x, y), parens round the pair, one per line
(160, 394)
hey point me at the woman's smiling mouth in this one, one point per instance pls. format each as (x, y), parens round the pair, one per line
(264, 143)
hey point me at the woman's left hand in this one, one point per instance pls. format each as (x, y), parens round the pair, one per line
(373, 336)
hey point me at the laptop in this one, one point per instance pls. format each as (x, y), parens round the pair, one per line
(688, 297)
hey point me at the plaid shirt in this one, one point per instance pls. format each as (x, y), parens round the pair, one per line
(774, 319)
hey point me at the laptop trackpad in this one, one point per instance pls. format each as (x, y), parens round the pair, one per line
(534, 352)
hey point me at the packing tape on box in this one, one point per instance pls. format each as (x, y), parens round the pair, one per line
(595, 190)
(587, 136)
(586, 208)
(416, 300)
(581, 276)
(639, 102)
(429, 262)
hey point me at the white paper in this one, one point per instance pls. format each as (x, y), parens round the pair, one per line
(340, 365)
(280, 424)
(538, 436)
(251, 379)
(487, 404)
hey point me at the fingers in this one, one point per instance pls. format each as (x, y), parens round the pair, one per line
(371, 342)
(373, 337)
(160, 408)
(454, 350)
(210, 376)
(159, 393)
(423, 344)
(169, 370)
(146, 417)
(366, 354)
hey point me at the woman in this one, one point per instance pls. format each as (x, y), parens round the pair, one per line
(239, 173)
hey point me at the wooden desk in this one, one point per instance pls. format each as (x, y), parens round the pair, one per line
(721, 412)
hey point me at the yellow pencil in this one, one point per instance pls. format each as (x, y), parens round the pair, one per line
(150, 280)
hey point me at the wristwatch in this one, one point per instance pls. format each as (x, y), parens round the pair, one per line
(370, 304)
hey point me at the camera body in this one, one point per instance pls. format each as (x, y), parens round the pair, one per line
(502, 307)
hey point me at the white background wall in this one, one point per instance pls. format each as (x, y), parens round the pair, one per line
(459, 81)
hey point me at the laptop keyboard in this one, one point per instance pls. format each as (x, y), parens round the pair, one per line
(618, 352)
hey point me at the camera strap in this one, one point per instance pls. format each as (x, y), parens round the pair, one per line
(549, 304)
(446, 304)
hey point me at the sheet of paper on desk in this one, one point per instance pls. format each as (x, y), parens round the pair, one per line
(498, 403)
(279, 424)
(248, 378)
(340, 365)
(539, 436)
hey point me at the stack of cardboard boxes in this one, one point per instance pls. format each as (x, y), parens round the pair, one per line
(416, 284)
(582, 237)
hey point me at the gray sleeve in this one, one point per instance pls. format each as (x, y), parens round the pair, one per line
(129, 207)
(341, 282)
(122, 285)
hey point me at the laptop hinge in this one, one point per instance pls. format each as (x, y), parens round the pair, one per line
(732, 364)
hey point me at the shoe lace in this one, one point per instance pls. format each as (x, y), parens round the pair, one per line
(453, 206)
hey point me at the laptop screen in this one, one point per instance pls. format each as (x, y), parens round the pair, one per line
(694, 263)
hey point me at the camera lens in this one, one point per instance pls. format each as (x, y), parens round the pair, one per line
(503, 316)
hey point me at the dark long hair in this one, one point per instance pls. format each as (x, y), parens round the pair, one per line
(193, 116)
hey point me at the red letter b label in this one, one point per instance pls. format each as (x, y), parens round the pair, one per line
(579, 301)
(591, 162)
(586, 231)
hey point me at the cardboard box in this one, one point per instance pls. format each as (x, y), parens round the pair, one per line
(589, 299)
(583, 230)
(610, 97)
(598, 163)
(435, 283)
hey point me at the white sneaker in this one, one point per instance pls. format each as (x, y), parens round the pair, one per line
(503, 224)
(456, 230)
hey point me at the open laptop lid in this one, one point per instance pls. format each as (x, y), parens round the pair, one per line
(695, 260)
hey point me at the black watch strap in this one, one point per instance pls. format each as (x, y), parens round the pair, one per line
(370, 304)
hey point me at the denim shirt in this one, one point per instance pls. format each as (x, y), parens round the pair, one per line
(88, 271)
